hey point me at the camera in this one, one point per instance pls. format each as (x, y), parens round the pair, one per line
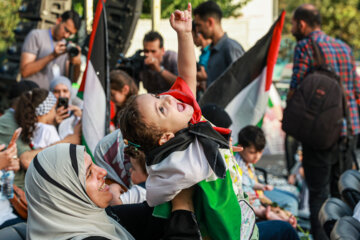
(72, 49)
(132, 65)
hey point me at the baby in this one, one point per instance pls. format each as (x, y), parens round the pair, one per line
(182, 151)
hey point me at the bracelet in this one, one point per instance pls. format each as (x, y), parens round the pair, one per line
(161, 69)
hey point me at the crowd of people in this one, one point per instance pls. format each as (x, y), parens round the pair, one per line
(169, 169)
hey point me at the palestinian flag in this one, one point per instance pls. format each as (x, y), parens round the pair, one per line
(243, 90)
(94, 88)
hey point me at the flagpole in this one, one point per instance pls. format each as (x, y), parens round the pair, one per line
(107, 71)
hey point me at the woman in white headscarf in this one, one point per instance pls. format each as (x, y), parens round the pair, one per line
(67, 194)
(68, 108)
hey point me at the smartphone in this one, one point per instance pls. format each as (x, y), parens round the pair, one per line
(15, 137)
(63, 102)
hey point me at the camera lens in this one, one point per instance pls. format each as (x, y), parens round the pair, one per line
(72, 49)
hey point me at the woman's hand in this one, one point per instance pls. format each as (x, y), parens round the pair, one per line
(61, 114)
(76, 110)
(9, 159)
(181, 21)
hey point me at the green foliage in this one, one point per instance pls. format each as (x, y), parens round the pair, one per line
(229, 8)
(340, 19)
(8, 21)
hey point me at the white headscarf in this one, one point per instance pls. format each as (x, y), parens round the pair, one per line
(58, 206)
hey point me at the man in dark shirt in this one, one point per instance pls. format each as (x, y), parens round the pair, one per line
(224, 51)
(160, 70)
(323, 168)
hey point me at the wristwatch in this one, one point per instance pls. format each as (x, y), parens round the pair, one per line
(161, 69)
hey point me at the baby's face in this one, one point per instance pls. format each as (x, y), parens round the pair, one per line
(164, 112)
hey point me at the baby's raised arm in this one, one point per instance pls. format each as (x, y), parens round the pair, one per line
(181, 22)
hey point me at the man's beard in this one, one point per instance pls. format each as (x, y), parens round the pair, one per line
(298, 35)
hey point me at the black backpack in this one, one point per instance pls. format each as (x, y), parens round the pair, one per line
(315, 112)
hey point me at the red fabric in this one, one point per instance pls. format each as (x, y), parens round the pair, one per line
(181, 91)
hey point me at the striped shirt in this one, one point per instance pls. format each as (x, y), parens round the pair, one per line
(339, 56)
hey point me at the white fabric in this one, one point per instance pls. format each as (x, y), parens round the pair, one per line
(94, 112)
(66, 127)
(45, 107)
(44, 135)
(57, 215)
(6, 212)
(180, 170)
(135, 194)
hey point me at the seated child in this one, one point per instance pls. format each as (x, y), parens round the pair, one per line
(138, 175)
(252, 139)
(181, 151)
(35, 113)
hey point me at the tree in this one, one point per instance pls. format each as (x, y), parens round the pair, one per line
(340, 19)
(8, 21)
(229, 7)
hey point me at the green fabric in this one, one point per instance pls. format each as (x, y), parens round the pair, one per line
(7, 127)
(216, 208)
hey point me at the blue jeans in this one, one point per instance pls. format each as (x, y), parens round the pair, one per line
(284, 199)
(276, 230)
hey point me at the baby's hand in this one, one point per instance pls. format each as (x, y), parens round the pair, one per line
(181, 21)
(116, 191)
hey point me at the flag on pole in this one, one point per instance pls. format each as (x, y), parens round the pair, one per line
(94, 88)
(243, 90)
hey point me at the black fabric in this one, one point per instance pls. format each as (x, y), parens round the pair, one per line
(137, 219)
(96, 238)
(43, 173)
(74, 159)
(210, 139)
(182, 226)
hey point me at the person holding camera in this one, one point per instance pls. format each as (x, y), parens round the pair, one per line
(43, 55)
(160, 69)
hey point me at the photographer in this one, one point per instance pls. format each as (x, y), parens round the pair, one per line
(44, 51)
(160, 69)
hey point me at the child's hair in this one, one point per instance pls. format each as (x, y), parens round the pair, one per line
(134, 128)
(119, 78)
(25, 111)
(138, 155)
(252, 136)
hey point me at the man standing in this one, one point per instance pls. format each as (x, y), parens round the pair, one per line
(43, 53)
(160, 70)
(323, 167)
(224, 51)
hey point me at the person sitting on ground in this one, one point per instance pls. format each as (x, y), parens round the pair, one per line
(122, 86)
(138, 175)
(166, 128)
(35, 114)
(67, 194)
(67, 114)
(8, 125)
(252, 139)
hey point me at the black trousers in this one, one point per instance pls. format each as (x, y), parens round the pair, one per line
(322, 172)
(138, 220)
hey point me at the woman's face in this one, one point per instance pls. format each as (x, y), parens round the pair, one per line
(61, 90)
(118, 97)
(96, 188)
